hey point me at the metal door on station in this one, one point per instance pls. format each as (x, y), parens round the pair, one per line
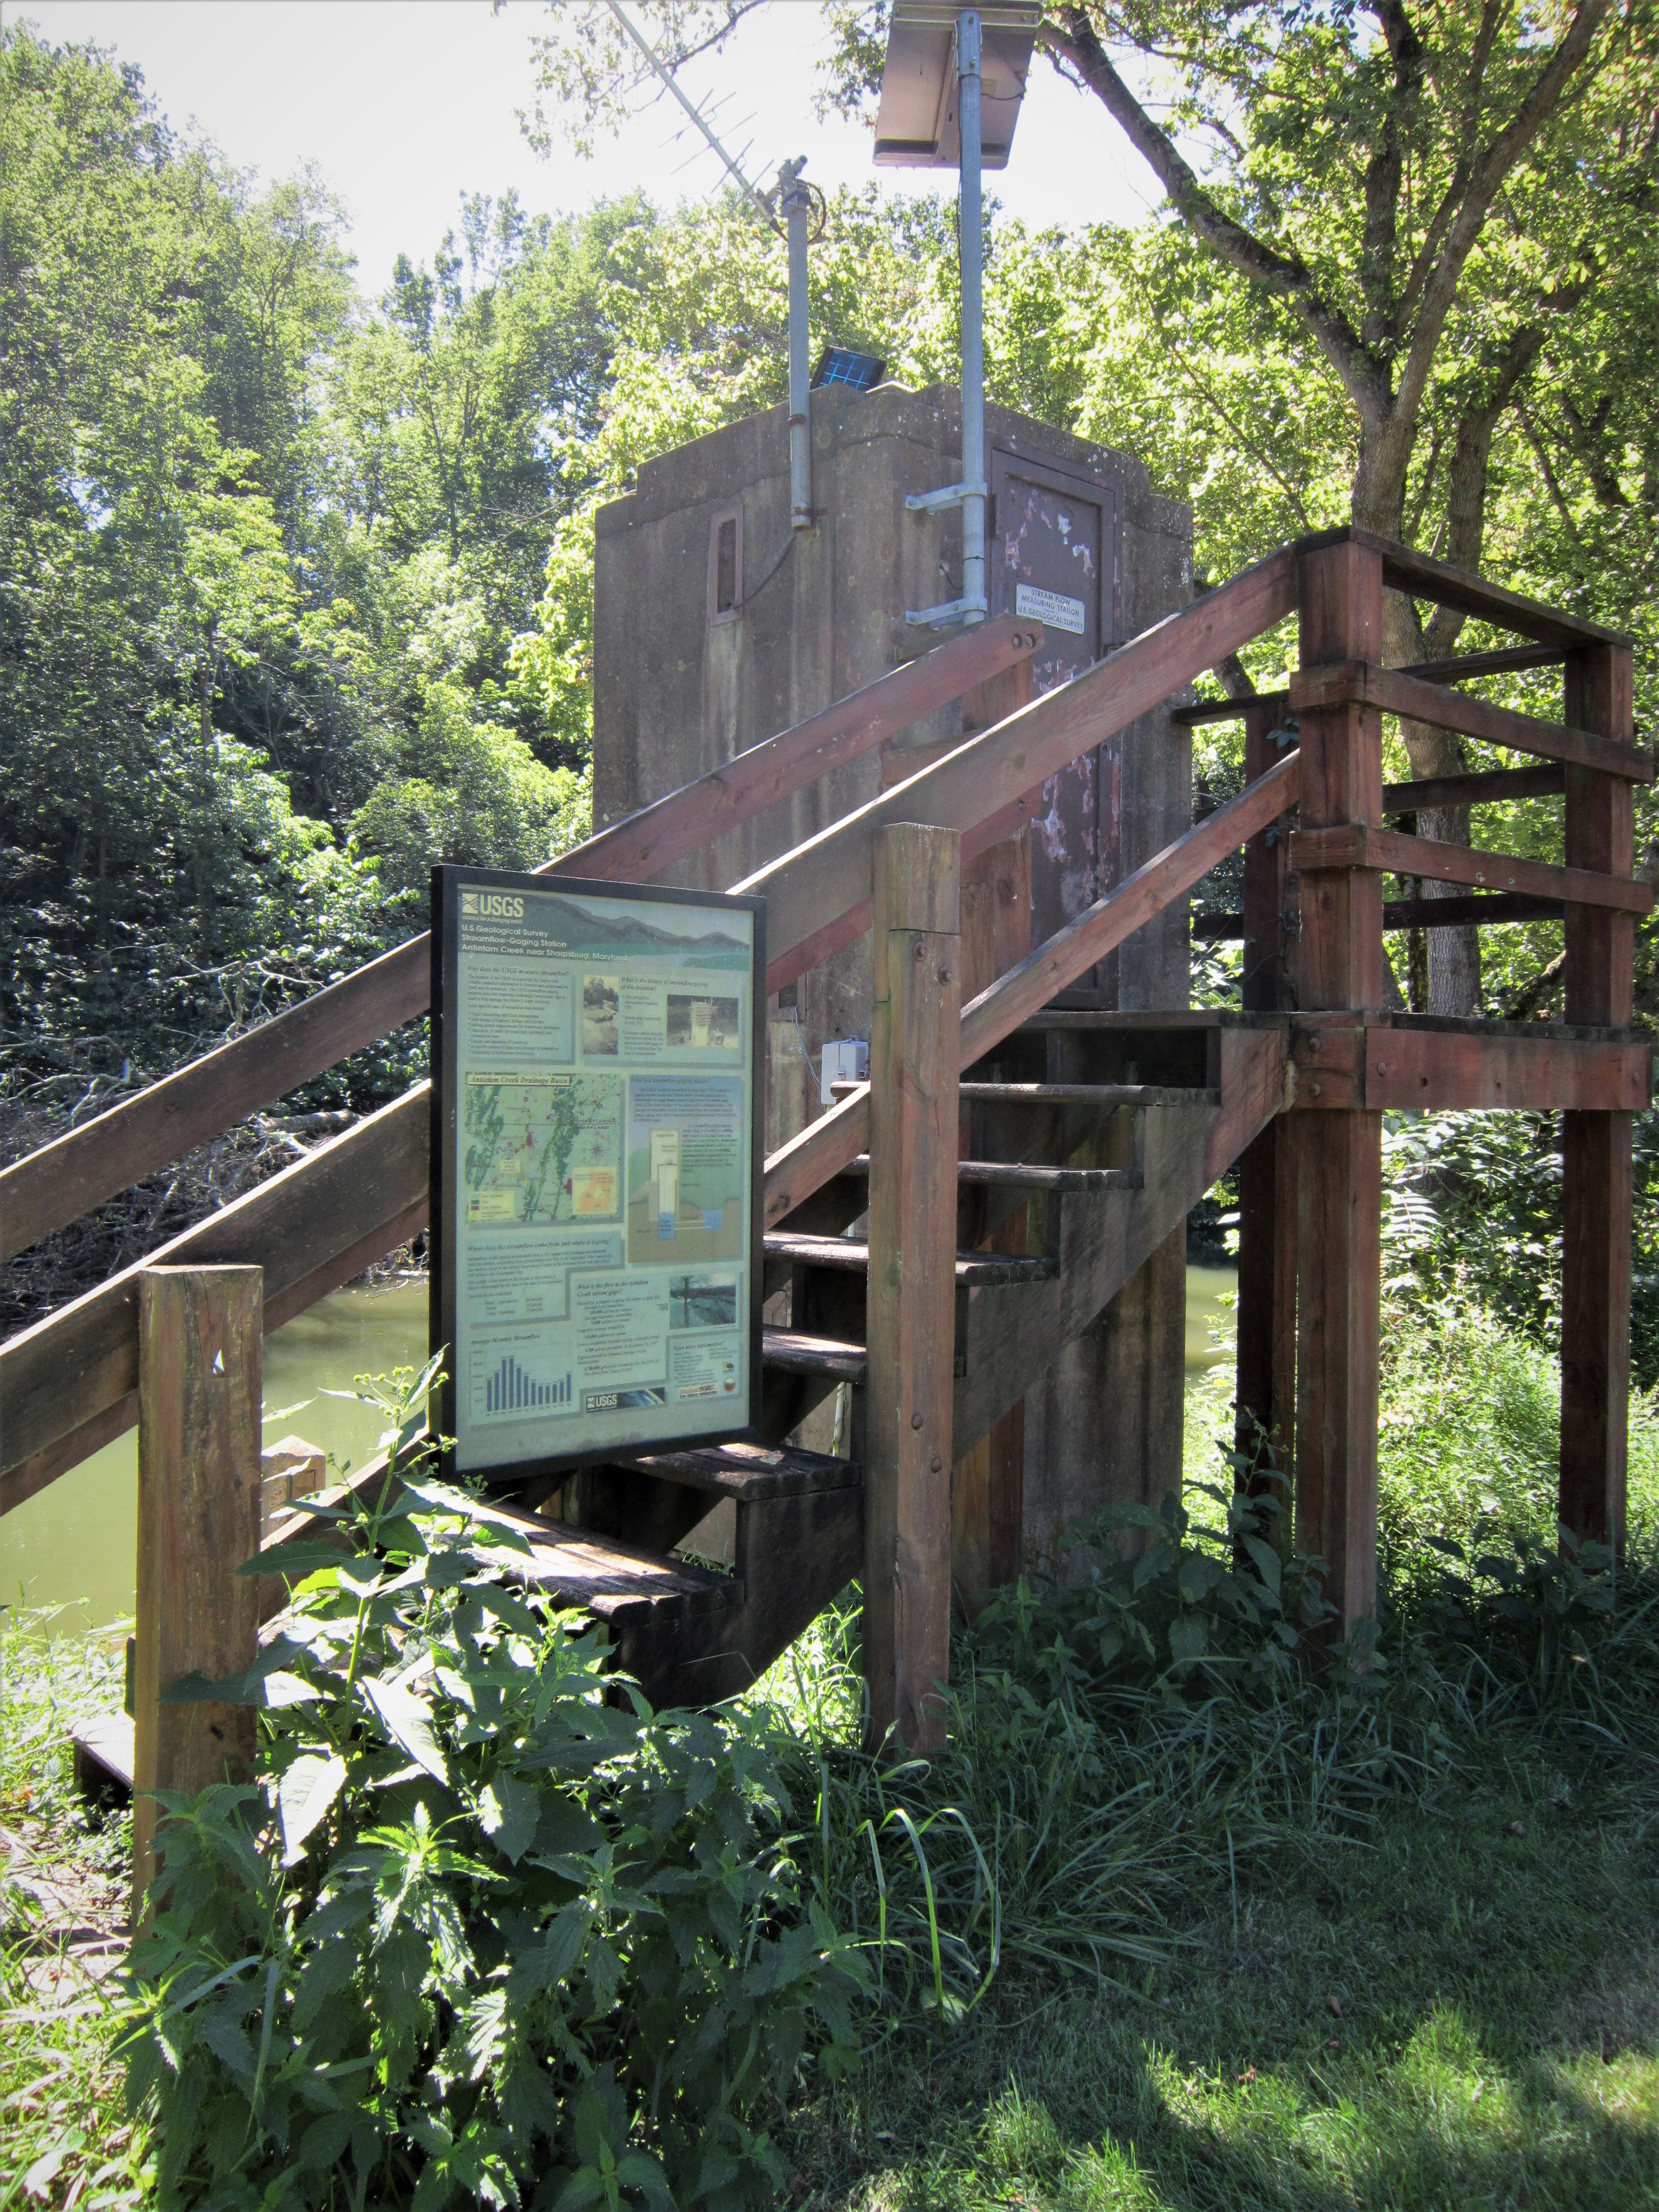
(1056, 554)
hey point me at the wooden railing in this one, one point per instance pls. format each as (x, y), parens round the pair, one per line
(68, 1384)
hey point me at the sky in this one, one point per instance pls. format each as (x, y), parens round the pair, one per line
(407, 105)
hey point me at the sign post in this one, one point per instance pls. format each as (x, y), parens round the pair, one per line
(597, 1140)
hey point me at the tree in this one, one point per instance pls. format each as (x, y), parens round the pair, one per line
(1417, 194)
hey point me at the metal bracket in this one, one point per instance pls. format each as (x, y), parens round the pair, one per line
(952, 610)
(929, 502)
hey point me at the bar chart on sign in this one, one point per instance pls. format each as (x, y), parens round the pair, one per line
(518, 1373)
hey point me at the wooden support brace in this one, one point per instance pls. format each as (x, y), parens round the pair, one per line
(1265, 1388)
(1596, 1147)
(1338, 1153)
(200, 1384)
(913, 1107)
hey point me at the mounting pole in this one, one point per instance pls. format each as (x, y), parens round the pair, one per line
(973, 320)
(970, 493)
(794, 202)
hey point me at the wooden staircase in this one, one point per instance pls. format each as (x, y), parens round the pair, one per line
(1101, 1131)
(1052, 1152)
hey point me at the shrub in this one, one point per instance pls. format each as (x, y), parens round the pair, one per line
(486, 1930)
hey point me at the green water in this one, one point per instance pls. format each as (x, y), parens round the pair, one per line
(73, 1546)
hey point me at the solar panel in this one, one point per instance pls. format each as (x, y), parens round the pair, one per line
(836, 365)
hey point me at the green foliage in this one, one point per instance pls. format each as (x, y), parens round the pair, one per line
(472, 791)
(66, 2135)
(1473, 1218)
(485, 1932)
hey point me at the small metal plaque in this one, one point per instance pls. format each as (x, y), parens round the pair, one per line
(1054, 608)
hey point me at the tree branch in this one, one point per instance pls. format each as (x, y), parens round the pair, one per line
(1286, 276)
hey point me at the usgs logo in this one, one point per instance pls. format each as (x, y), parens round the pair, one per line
(508, 904)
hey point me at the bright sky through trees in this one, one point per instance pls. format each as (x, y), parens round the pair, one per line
(407, 104)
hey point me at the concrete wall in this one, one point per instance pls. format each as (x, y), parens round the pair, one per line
(822, 613)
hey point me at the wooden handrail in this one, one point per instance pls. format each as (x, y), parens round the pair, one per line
(321, 1221)
(1393, 691)
(68, 1384)
(829, 1145)
(815, 888)
(64, 1180)
(1357, 845)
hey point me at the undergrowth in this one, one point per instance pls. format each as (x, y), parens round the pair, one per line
(1171, 1919)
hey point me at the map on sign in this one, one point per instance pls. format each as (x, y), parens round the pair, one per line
(539, 1150)
(595, 1237)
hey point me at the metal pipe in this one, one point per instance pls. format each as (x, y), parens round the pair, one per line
(973, 319)
(796, 205)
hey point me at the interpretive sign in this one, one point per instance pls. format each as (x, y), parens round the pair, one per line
(596, 1166)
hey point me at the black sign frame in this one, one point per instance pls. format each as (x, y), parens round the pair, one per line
(448, 881)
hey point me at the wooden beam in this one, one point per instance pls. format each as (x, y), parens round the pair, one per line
(1384, 1068)
(1463, 667)
(1422, 577)
(913, 1057)
(1339, 1154)
(1391, 691)
(1229, 710)
(1596, 1147)
(1496, 785)
(1265, 1395)
(78, 1171)
(812, 887)
(1357, 845)
(303, 1227)
(1025, 989)
(200, 1369)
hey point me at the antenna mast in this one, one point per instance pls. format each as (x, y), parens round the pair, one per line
(793, 202)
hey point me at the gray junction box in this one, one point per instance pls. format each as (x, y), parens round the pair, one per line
(716, 626)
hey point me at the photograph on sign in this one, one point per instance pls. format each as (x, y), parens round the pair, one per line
(596, 1226)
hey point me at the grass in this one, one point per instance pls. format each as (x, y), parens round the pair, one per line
(1390, 1943)
(65, 2137)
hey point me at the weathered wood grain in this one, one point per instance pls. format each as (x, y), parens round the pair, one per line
(1029, 987)
(1358, 845)
(301, 1227)
(1339, 1154)
(1392, 691)
(914, 1049)
(1494, 785)
(1596, 1148)
(811, 887)
(199, 1370)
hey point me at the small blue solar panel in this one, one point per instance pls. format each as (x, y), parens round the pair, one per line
(858, 370)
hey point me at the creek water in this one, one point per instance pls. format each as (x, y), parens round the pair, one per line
(71, 1548)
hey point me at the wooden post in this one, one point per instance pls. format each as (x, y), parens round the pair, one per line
(1266, 1390)
(1595, 1148)
(1339, 1151)
(200, 1338)
(988, 1484)
(914, 1036)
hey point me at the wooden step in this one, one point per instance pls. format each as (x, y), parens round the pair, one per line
(1009, 1175)
(974, 1270)
(752, 1474)
(602, 1574)
(103, 1753)
(797, 1352)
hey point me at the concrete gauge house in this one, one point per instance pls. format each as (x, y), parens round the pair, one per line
(716, 626)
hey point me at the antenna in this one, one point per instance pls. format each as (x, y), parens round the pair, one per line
(792, 200)
(661, 69)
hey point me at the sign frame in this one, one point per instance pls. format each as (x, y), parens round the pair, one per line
(448, 880)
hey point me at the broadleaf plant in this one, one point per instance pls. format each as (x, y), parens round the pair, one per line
(488, 1929)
